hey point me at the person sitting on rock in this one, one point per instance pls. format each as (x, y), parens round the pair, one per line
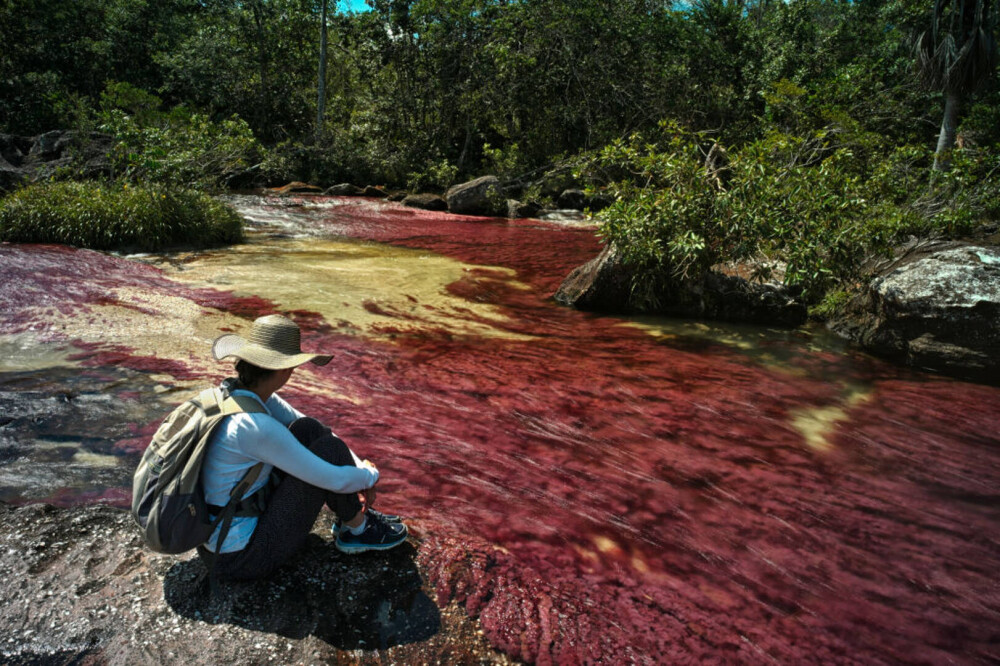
(305, 464)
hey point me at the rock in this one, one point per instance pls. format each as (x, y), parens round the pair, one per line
(561, 215)
(374, 192)
(24, 159)
(937, 309)
(343, 190)
(426, 201)
(11, 177)
(295, 188)
(604, 284)
(14, 149)
(81, 588)
(517, 209)
(572, 199)
(48, 146)
(482, 196)
(398, 196)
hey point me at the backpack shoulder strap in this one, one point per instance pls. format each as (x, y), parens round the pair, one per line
(235, 404)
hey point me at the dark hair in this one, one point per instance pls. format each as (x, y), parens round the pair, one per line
(250, 374)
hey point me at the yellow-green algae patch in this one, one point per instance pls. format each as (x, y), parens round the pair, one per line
(360, 288)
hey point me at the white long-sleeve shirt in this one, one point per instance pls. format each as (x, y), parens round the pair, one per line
(242, 440)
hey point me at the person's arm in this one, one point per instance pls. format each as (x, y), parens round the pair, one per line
(285, 413)
(266, 439)
(281, 410)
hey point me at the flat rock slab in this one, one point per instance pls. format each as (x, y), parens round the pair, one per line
(79, 587)
(944, 283)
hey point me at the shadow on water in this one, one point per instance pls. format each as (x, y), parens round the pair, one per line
(367, 601)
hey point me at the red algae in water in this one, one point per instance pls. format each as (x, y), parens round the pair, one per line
(595, 495)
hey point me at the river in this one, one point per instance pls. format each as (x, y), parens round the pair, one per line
(592, 487)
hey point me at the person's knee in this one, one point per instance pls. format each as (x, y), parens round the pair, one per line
(320, 440)
(308, 429)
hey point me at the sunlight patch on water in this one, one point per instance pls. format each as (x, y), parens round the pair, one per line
(25, 352)
(817, 424)
(359, 288)
(91, 459)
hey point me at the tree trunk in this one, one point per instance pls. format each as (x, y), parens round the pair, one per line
(946, 139)
(264, 110)
(321, 87)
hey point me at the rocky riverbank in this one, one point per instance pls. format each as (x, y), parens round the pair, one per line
(81, 588)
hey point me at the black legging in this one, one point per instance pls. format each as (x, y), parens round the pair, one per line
(291, 511)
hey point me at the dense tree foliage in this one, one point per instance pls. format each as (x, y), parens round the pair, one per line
(413, 84)
(843, 97)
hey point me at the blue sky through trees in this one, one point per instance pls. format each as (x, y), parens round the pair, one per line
(352, 5)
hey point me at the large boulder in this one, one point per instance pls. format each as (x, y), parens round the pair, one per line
(936, 308)
(605, 284)
(482, 196)
(425, 201)
(374, 192)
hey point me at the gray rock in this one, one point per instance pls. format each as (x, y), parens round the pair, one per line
(561, 215)
(79, 587)
(14, 149)
(398, 196)
(573, 199)
(426, 202)
(11, 177)
(602, 284)
(482, 196)
(938, 310)
(23, 159)
(49, 146)
(374, 192)
(343, 190)
(517, 209)
(605, 284)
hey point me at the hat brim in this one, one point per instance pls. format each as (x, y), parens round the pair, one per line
(234, 346)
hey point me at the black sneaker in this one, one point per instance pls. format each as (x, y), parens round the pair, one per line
(378, 535)
(378, 515)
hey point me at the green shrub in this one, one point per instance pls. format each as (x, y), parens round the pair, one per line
(821, 204)
(116, 217)
(177, 147)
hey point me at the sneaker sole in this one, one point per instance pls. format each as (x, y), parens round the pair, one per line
(362, 548)
(335, 529)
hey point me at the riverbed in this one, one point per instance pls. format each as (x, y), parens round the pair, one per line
(590, 487)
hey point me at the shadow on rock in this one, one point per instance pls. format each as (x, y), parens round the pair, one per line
(366, 601)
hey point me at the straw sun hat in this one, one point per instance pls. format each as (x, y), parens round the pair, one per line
(273, 344)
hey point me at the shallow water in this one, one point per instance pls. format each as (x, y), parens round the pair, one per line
(593, 487)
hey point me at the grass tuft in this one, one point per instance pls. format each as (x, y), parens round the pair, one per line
(116, 217)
